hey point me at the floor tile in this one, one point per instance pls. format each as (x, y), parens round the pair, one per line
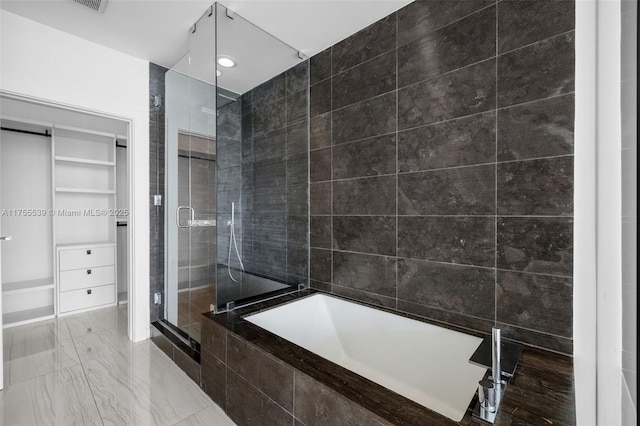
(100, 343)
(141, 385)
(63, 398)
(61, 355)
(94, 321)
(15, 405)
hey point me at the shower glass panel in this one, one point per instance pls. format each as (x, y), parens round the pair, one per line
(236, 171)
(262, 170)
(190, 169)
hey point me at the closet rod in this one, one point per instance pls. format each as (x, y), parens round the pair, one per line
(28, 132)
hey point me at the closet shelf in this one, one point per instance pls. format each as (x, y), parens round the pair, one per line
(86, 190)
(85, 161)
(27, 286)
(26, 316)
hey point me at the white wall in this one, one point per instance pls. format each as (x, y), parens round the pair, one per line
(585, 255)
(44, 63)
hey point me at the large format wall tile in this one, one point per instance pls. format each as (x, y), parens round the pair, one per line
(320, 230)
(464, 240)
(320, 131)
(538, 129)
(364, 81)
(269, 375)
(420, 18)
(320, 265)
(462, 168)
(538, 71)
(536, 245)
(368, 157)
(365, 196)
(320, 66)
(466, 91)
(320, 196)
(373, 117)
(460, 142)
(465, 42)
(320, 98)
(536, 187)
(462, 289)
(316, 404)
(374, 274)
(365, 234)
(298, 78)
(536, 302)
(457, 191)
(368, 43)
(320, 165)
(524, 22)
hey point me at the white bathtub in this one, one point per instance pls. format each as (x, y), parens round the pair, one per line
(422, 362)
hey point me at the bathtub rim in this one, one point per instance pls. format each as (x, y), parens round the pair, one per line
(384, 403)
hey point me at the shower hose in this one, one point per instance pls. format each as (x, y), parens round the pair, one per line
(234, 243)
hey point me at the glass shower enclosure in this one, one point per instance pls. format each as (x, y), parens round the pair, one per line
(236, 171)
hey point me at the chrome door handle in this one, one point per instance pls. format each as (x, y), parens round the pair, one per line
(190, 221)
(5, 238)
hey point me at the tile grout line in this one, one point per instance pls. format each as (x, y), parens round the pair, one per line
(331, 174)
(495, 170)
(442, 122)
(397, 142)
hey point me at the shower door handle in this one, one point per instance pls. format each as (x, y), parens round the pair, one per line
(190, 221)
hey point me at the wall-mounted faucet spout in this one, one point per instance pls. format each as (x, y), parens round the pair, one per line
(495, 356)
(491, 390)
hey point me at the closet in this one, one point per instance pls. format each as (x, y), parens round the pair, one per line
(58, 189)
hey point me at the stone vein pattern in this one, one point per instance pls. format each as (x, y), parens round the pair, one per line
(441, 159)
(83, 370)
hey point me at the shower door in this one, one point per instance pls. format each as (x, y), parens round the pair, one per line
(190, 171)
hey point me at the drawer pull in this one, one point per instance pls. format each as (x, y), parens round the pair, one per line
(88, 251)
(88, 271)
(89, 291)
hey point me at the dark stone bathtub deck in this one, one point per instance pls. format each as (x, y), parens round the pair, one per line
(259, 378)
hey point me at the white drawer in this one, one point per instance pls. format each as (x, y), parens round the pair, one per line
(87, 298)
(88, 277)
(86, 258)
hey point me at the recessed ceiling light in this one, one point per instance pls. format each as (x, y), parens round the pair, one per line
(226, 61)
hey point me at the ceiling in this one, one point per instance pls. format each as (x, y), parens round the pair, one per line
(158, 30)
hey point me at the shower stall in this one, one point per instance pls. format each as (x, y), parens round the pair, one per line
(235, 171)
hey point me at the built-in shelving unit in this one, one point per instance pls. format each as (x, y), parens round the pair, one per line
(58, 190)
(84, 183)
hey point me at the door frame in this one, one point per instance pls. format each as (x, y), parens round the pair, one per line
(137, 232)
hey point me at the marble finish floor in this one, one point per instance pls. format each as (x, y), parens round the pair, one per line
(83, 370)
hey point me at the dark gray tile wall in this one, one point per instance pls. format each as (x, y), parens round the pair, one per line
(441, 165)
(156, 180)
(274, 182)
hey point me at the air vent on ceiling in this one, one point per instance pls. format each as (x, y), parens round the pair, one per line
(95, 5)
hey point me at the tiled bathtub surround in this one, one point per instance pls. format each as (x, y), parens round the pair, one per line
(441, 165)
(259, 378)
